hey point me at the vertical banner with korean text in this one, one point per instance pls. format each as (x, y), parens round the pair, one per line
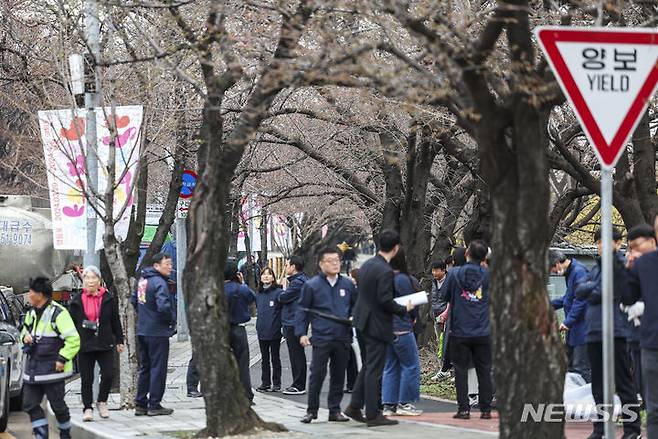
(63, 135)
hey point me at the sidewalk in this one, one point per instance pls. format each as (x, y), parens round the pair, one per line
(189, 415)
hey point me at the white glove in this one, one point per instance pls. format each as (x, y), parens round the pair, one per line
(634, 312)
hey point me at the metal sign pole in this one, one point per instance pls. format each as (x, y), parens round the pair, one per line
(607, 303)
(92, 99)
(181, 257)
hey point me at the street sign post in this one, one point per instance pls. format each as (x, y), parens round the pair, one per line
(608, 76)
(187, 191)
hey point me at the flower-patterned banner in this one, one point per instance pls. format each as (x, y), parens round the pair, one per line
(63, 133)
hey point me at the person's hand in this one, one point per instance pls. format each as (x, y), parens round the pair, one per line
(28, 338)
(59, 366)
(304, 341)
(636, 310)
(563, 327)
(120, 348)
(410, 306)
(443, 317)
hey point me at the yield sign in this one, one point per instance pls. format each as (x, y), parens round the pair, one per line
(608, 76)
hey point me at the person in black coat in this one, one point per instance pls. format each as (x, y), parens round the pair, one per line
(95, 313)
(373, 318)
(268, 328)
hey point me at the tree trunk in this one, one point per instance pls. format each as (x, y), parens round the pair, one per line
(128, 359)
(644, 169)
(529, 361)
(228, 410)
(264, 228)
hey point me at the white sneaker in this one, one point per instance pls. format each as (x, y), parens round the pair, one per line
(88, 415)
(389, 410)
(102, 410)
(408, 410)
(441, 375)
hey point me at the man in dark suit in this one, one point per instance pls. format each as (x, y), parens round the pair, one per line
(373, 318)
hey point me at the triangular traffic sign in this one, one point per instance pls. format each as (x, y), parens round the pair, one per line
(608, 76)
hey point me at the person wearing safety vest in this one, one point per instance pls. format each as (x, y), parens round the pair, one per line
(50, 341)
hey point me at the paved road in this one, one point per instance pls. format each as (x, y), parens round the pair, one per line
(428, 406)
(20, 427)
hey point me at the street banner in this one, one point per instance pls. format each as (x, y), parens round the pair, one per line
(127, 142)
(608, 76)
(63, 136)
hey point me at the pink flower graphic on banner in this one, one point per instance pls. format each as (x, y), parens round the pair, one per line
(74, 211)
(75, 200)
(122, 138)
(77, 168)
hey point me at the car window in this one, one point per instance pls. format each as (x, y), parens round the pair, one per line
(5, 314)
(16, 308)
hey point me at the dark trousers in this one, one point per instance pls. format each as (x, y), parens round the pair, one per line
(578, 357)
(192, 378)
(352, 370)
(624, 385)
(152, 380)
(368, 387)
(463, 349)
(649, 374)
(270, 362)
(635, 354)
(240, 348)
(297, 358)
(335, 353)
(86, 363)
(32, 397)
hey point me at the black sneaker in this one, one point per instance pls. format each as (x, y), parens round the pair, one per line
(263, 388)
(381, 421)
(141, 411)
(294, 391)
(160, 411)
(308, 418)
(275, 389)
(462, 415)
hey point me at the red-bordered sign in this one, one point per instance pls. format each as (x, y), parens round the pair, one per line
(189, 183)
(608, 76)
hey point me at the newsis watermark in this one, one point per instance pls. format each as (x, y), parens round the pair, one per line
(579, 413)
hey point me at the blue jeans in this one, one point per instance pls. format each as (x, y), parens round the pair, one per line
(401, 380)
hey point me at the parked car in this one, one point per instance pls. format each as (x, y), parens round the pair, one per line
(12, 358)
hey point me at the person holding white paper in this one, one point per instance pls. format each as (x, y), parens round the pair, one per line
(401, 379)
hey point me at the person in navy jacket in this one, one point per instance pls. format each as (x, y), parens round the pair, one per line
(590, 290)
(289, 300)
(156, 321)
(643, 286)
(574, 311)
(238, 297)
(467, 292)
(641, 240)
(268, 328)
(326, 305)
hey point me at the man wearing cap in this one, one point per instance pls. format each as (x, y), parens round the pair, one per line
(51, 341)
(574, 311)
